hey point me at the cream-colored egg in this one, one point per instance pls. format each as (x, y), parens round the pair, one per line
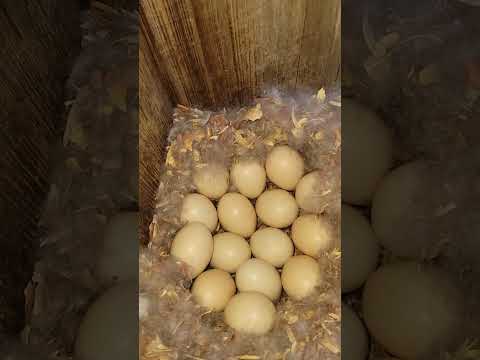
(249, 177)
(312, 234)
(199, 208)
(272, 245)
(259, 276)
(285, 167)
(277, 208)
(211, 180)
(250, 313)
(402, 214)
(309, 193)
(354, 336)
(360, 249)
(109, 329)
(193, 244)
(118, 258)
(229, 251)
(300, 276)
(213, 289)
(366, 152)
(413, 310)
(237, 214)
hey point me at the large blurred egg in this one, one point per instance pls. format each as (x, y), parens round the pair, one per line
(366, 152)
(354, 336)
(118, 258)
(401, 212)
(360, 249)
(109, 329)
(413, 310)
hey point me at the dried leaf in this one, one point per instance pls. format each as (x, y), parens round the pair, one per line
(254, 113)
(276, 136)
(170, 160)
(321, 95)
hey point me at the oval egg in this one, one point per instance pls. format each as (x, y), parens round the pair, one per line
(237, 214)
(250, 313)
(211, 180)
(118, 258)
(213, 289)
(354, 336)
(285, 167)
(249, 177)
(300, 276)
(272, 245)
(277, 208)
(109, 329)
(193, 244)
(199, 208)
(259, 276)
(312, 234)
(229, 251)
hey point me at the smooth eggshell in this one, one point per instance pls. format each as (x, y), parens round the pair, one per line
(118, 258)
(213, 289)
(300, 276)
(251, 313)
(285, 167)
(360, 249)
(312, 234)
(413, 310)
(249, 177)
(211, 180)
(400, 211)
(277, 208)
(309, 193)
(229, 251)
(193, 244)
(272, 245)
(109, 329)
(199, 208)
(366, 152)
(354, 336)
(259, 276)
(237, 214)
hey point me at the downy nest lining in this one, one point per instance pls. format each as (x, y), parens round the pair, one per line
(173, 326)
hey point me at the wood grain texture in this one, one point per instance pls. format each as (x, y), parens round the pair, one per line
(38, 40)
(220, 52)
(155, 116)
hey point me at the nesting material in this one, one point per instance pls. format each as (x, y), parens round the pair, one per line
(250, 143)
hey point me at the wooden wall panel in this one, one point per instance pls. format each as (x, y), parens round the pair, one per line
(38, 40)
(221, 52)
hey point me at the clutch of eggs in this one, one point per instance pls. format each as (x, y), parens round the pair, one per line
(221, 234)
